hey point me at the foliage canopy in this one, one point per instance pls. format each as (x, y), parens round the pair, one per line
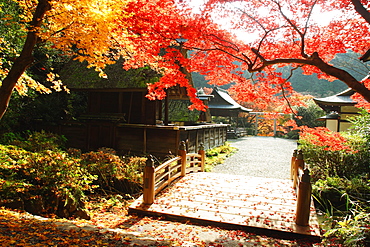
(157, 33)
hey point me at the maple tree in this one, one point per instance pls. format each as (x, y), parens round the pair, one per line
(281, 32)
(323, 137)
(213, 53)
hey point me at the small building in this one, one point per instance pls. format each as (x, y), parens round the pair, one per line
(338, 108)
(119, 116)
(223, 105)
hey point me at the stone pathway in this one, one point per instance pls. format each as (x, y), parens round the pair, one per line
(259, 157)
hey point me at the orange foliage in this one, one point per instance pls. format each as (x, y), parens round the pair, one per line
(284, 32)
(276, 33)
(323, 137)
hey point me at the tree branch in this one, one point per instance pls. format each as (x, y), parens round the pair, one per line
(219, 49)
(316, 61)
(341, 75)
(361, 10)
(283, 91)
(303, 44)
(295, 27)
(231, 45)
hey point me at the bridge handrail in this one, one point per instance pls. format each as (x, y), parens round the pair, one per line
(156, 179)
(166, 173)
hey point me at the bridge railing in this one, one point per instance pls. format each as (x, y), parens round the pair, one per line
(157, 178)
(300, 176)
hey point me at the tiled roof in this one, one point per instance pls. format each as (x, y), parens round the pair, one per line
(343, 98)
(223, 101)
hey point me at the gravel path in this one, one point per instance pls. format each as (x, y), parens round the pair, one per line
(259, 157)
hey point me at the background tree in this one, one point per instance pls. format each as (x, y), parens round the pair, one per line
(310, 84)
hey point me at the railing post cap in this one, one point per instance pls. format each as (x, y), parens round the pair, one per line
(306, 176)
(149, 161)
(182, 145)
(300, 155)
(201, 146)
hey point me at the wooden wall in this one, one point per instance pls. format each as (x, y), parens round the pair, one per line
(139, 139)
(132, 106)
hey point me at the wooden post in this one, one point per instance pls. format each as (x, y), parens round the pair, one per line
(203, 156)
(292, 163)
(304, 200)
(149, 182)
(298, 164)
(182, 154)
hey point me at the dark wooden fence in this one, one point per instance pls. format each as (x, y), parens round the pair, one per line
(138, 139)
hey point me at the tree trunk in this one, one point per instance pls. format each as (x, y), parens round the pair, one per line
(25, 59)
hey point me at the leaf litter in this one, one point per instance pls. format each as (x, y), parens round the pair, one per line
(114, 227)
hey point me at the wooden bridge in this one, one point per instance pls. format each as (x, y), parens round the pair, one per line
(261, 205)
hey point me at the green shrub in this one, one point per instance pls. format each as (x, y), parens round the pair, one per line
(217, 155)
(345, 203)
(341, 178)
(38, 171)
(8, 138)
(212, 152)
(52, 176)
(340, 195)
(223, 149)
(352, 230)
(342, 163)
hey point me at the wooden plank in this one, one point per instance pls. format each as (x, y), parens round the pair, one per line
(168, 163)
(169, 172)
(129, 139)
(161, 141)
(197, 140)
(193, 169)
